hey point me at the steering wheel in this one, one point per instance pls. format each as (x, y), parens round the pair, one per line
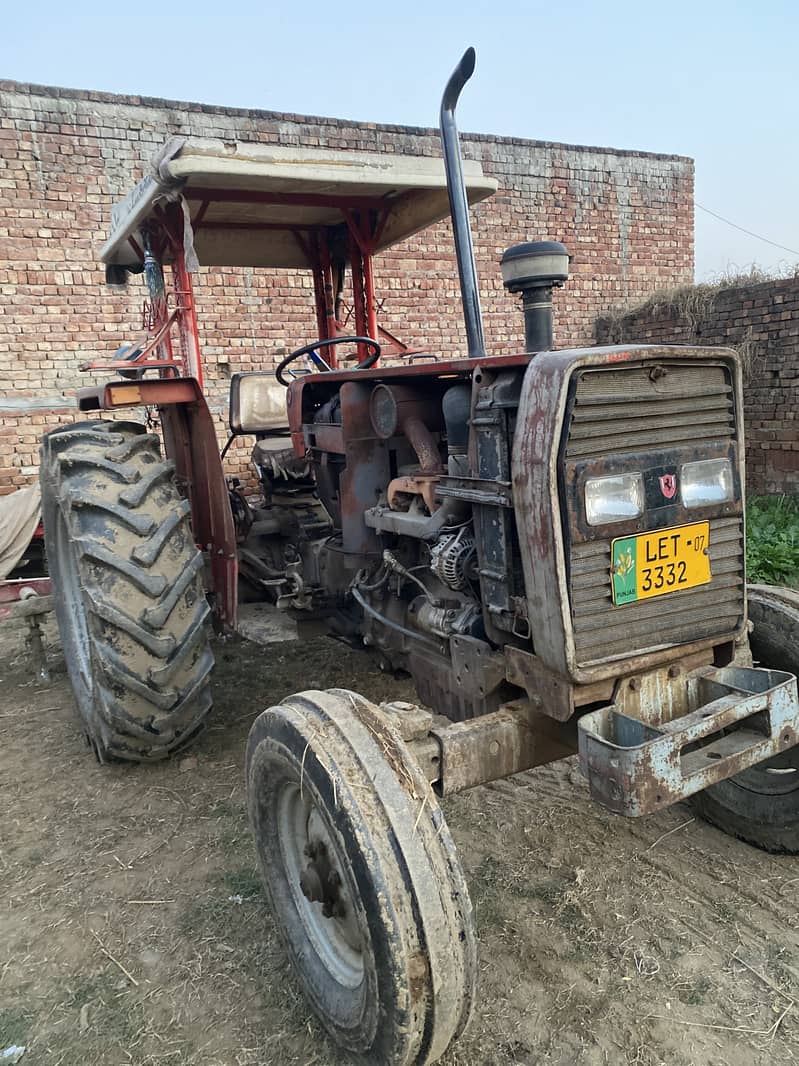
(307, 349)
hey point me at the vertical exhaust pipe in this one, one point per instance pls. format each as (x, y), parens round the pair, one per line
(459, 206)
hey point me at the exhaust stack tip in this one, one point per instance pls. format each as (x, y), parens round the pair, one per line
(457, 79)
(534, 269)
(459, 206)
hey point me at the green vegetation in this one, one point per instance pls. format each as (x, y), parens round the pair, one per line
(245, 882)
(772, 540)
(690, 304)
(14, 1027)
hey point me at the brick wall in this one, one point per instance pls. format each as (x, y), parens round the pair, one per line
(66, 155)
(762, 322)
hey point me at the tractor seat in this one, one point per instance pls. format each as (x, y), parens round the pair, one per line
(258, 405)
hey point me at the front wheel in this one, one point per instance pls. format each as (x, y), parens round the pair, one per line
(761, 805)
(363, 878)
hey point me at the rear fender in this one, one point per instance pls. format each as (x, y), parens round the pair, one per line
(190, 441)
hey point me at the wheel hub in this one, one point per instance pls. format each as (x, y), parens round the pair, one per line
(320, 881)
(318, 875)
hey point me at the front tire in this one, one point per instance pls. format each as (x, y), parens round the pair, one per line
(761, 805)
(127, 589)
(363, 878)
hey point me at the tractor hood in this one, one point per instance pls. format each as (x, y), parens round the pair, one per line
(259, 205)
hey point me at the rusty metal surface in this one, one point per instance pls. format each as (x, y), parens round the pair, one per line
(492, 427)
(664, 694)
(411, 721)
(651, 419)
(190, 440)
(151, 392)
(395, 409)
(476, 490)
(551, 693)
(639, 410)
(424, 444)
(366, 472)
(414, 723)
(326, 438)
(21, 597)
(412, 485)
(508, 741)
(434, 677)
(476, 665)
(645, 695)
(545, 563)
(461, 676)
(714, 724)
(391, 406)
(304, 391)
(458, 755)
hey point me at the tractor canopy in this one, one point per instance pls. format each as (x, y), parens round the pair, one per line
(261, 205)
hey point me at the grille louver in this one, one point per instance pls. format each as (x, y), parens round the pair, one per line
(627, 411)
(602, 631)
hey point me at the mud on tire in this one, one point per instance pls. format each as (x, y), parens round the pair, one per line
(127, 589)
(364, 880)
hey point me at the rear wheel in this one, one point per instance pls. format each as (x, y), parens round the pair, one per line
(363, 878)
(761, 805)
(127, 589)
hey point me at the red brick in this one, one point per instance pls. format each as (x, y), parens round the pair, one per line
(70, 154)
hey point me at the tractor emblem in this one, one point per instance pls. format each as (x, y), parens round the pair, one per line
(668, 485)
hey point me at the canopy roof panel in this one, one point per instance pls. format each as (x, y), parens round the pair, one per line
(255, 204)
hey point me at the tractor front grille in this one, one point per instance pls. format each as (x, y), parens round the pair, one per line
(618, 411)
(677, 409)
(603, 631)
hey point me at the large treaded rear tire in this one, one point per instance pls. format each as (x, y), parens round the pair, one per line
(127, 589)
(761, 805)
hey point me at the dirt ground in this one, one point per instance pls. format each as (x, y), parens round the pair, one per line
(133, 930)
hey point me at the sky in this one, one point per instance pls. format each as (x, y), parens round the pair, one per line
(715, 81)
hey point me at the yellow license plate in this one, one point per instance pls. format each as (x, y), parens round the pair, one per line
(652, 564)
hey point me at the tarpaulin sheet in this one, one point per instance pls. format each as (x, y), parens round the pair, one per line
(19, 517)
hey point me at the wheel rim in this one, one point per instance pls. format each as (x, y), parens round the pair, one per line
(319, 879)
(778, 776)
(75, 634)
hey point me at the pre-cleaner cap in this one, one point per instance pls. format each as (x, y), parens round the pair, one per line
(534, 263)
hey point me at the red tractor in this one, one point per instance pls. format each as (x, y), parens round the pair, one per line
(551, 544)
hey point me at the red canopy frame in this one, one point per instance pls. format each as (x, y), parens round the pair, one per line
(177, 352)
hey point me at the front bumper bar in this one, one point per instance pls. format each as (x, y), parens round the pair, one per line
(734, 717)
